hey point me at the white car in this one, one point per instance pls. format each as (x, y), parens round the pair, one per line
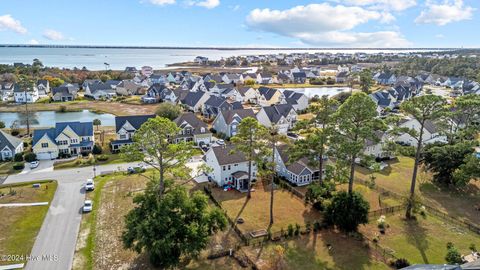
(220, 142)
(87, 206)
(89, 185)
(34, 164)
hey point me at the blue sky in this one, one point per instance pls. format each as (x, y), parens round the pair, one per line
(246, 23)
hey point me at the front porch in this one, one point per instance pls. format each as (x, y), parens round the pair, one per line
(240, 181)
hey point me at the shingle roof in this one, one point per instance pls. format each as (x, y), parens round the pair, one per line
(242, 113)
(135, 120)
(9, 140)
(193, 121)
(227, 154)
(192, 98)
(275, 113)
(267, 92)
(39, 133)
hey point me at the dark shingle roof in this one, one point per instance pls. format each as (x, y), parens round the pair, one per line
(276, 112)
(193, 121)
(192, 98)
(9, 140)
(242, 113)
(267, 92)
(228, 155)
(135, 120)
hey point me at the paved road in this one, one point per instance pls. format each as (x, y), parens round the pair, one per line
(57, 237)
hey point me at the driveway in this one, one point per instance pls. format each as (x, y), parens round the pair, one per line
(55, 243)
(43, 166)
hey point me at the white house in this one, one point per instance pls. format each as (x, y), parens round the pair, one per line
(29, 96)
(125, 128)
(298, 172)
(43, 87)
(430, 133)
(229, 167)
(299, 101)
(377, 148)
(282, 116)
(9, 146)
(227, 122)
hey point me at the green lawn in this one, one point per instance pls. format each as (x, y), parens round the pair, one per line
(20, 225)
(312, 252)
(373, 197)
(422, 241)
(457, 203)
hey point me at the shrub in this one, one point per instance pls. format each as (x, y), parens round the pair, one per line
(29, 157)
(18, 166)
(297, 229)
(97, 149)
(14, 132)
(18, 157)
(316, 226)
(290, 230)
(347, 211)
(62, 108)
(401, 263)
(102, 157)
(308, 226)
(453, 255)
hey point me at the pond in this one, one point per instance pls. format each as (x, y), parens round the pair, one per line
(319, 91)
(49, 118)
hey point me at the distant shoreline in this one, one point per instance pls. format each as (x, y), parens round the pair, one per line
(219, 48)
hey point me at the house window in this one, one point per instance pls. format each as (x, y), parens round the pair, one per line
(44, 145)
(74, 141)
(123, 137)
(224, 168)
(229, 168)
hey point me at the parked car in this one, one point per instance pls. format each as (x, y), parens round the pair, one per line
(34, 164)
(87, 206)
(220, 142)
(137, 169)
(89, 185)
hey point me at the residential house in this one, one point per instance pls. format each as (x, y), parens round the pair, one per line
(246, 94)
(299, 77)
(298, 172)
(268, 96)
(100, 90)
(146, 71)
(43, 88)
(215, 104)
(65, 139)
(384, 100)
(298, 100)
(193, 130)
(377, 148)
(153, 93)
(201, 60)
(265, 78)
(232, 78)
(284, 77)
(226, 122)
(229, 167)
(282, 116)
(194, 101)
(128, 88)
(454, 83)
(64, 93)
(431, 133)
(22, 96)
(385, 78)
(6, 90)
(125, 128)
(341, 77)
(9, 146)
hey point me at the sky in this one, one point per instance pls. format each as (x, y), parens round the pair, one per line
(245, 23)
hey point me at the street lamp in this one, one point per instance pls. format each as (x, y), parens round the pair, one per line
(94, 171)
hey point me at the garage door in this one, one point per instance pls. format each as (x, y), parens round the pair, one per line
(43, 156)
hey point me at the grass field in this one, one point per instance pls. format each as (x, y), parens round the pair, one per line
(421, 241)
(115, 108)
(374, 198)
(323, 250)
(99, 245)
(288, 209)
(458, 203)
(7, 168)
(20, 225)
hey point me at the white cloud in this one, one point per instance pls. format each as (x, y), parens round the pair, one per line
(439, 36)
(205, 3)
(33, 42)
(395, 5)
(162, 2)
(53, 35)
(324, 24)
(7, 22)
(235, 8)
(445, 12)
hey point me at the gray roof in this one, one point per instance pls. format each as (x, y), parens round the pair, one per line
(135, 120)
(192, 98)
(193, 121)
(276, 112)
(296, 167)
(242, 113)
(227, 154)
(290, 94)
(267, 92)
(9, 140)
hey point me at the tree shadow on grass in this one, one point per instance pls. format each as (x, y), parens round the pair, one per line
(347, 252)
(234, 221)
(300, 256)
(417, 236)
